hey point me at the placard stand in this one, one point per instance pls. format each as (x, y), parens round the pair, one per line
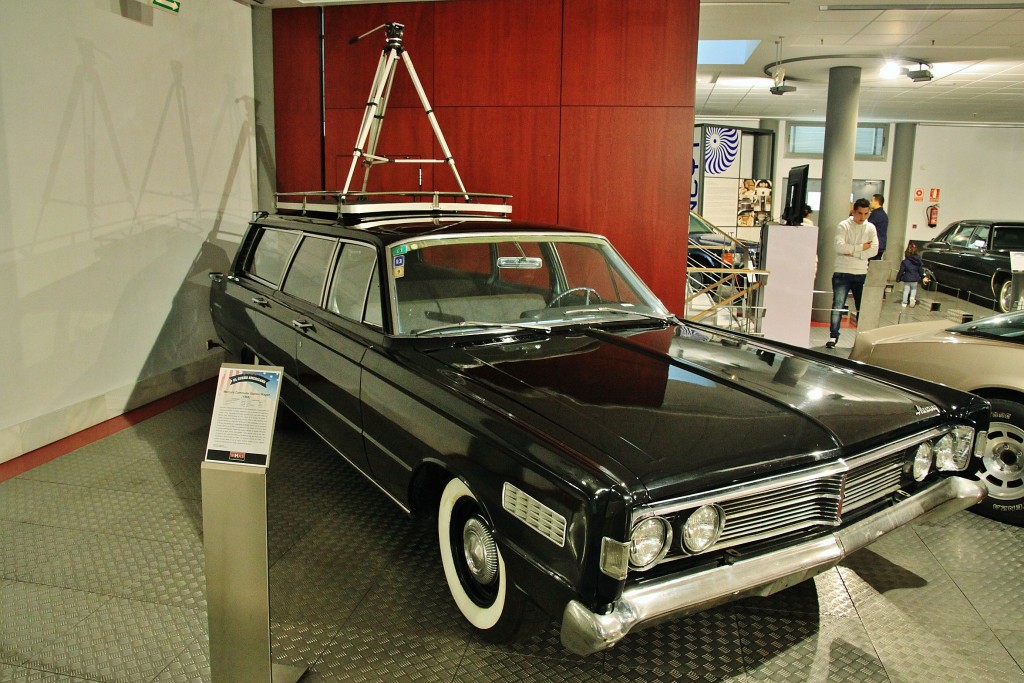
(234, 485)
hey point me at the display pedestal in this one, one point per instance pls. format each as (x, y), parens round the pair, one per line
(790, 253)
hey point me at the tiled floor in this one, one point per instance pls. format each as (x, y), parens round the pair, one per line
(101, 579)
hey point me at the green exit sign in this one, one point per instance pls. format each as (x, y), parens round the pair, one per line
(170, 5)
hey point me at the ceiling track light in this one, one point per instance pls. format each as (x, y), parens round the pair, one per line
(779, 74)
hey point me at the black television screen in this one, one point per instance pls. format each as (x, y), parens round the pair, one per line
(796, 195)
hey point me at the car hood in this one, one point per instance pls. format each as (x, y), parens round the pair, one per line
(675, 408)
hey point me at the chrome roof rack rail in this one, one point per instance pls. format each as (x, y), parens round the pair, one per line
(352, 208)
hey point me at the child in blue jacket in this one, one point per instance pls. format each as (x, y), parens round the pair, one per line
(910, 273)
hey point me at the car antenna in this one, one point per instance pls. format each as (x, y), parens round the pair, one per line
(376, 106)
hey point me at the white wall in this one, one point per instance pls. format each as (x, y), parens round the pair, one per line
(976, 170)
(127, 172)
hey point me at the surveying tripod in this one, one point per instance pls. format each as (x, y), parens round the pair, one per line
(373, 117)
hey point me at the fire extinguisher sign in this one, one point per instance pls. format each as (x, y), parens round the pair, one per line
(933, 194)
(919, 194)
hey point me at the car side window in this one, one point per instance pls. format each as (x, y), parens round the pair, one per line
(354, 274)
(271, 254)
(306, 276)
(980, 238)
(1008, 237)
(961, 237)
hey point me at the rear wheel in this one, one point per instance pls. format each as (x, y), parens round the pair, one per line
(1001, 467)
(474, 567)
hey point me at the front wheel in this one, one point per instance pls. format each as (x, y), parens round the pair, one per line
(1005, 293)
(1001, 467)
(474, 568)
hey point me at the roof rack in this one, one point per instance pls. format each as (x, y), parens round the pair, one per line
(353, 208)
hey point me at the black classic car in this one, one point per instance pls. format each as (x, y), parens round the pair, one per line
(973, 257)
(580, 447)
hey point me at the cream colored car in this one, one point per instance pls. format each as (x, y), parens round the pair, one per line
(985, 357)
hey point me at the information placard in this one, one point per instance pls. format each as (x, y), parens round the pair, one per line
(244, 410)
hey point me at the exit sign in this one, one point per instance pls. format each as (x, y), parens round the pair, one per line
(170, 5)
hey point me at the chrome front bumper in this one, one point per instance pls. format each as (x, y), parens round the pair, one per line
(585, 632)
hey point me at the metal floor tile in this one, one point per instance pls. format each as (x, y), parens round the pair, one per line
(101, 578)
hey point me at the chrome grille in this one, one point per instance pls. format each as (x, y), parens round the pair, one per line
(778, 511)
(820, 496)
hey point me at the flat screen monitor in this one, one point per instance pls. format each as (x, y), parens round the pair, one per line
(796, 195)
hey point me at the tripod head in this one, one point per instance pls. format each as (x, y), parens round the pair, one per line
(392, 30)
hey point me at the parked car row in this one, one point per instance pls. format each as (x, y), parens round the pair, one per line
(579, 448)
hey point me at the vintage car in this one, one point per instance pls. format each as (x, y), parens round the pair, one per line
(580, 447)
(972, 259)
(983, 357)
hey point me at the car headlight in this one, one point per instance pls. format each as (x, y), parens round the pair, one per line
(702, 527)
(954, 449)
(649, 542)
(923, 459)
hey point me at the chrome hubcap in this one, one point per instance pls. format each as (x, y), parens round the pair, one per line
(480, 550)
(1004, 462)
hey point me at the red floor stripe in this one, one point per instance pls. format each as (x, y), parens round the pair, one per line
(24, 463)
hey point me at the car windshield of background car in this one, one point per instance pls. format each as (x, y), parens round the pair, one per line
(1009, 327)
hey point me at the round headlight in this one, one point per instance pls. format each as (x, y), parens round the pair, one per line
(649, 542)
(702, 528)
(923, 461)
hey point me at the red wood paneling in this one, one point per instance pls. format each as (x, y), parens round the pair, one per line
(630, 52)
(506, 150)
(297, 98)
(349, 68)
(404, 133)
(498, 53)
(624, 173)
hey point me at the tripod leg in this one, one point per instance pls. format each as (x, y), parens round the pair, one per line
(375, 127)
(381, 81)
(448, 159)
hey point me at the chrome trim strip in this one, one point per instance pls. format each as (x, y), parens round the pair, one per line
(585, 632)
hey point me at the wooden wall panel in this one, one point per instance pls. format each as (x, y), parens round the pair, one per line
(404, 133)
(297, 99)
(506, 150)
(498, 53)
(349, 69)
(624, 173)
(630, 52)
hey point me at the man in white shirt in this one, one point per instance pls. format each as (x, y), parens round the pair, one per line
(856, 242)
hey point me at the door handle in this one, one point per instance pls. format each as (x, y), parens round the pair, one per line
(260, 301)
(302, 325)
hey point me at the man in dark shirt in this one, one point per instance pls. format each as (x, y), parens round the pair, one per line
(880, 219)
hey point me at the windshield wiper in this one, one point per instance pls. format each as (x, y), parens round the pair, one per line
(486, 325)
(623, 311)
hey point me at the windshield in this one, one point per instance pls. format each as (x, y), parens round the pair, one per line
(460, 285)
(1008, 327)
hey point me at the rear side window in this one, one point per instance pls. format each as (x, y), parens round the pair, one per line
(308, 271)
(271, 255)
(1009, 237)
(352, 277)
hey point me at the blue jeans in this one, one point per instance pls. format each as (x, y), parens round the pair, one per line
(842, 285)
(909, 292)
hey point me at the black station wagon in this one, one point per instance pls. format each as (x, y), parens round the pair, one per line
(578, 445)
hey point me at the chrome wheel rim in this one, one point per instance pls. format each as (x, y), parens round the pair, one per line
(1003, 462)
(480, 551)
(1004, 296)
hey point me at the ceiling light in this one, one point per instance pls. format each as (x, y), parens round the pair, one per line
(891, 70)
(779, 75)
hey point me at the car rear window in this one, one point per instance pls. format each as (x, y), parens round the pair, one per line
(271, 255)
